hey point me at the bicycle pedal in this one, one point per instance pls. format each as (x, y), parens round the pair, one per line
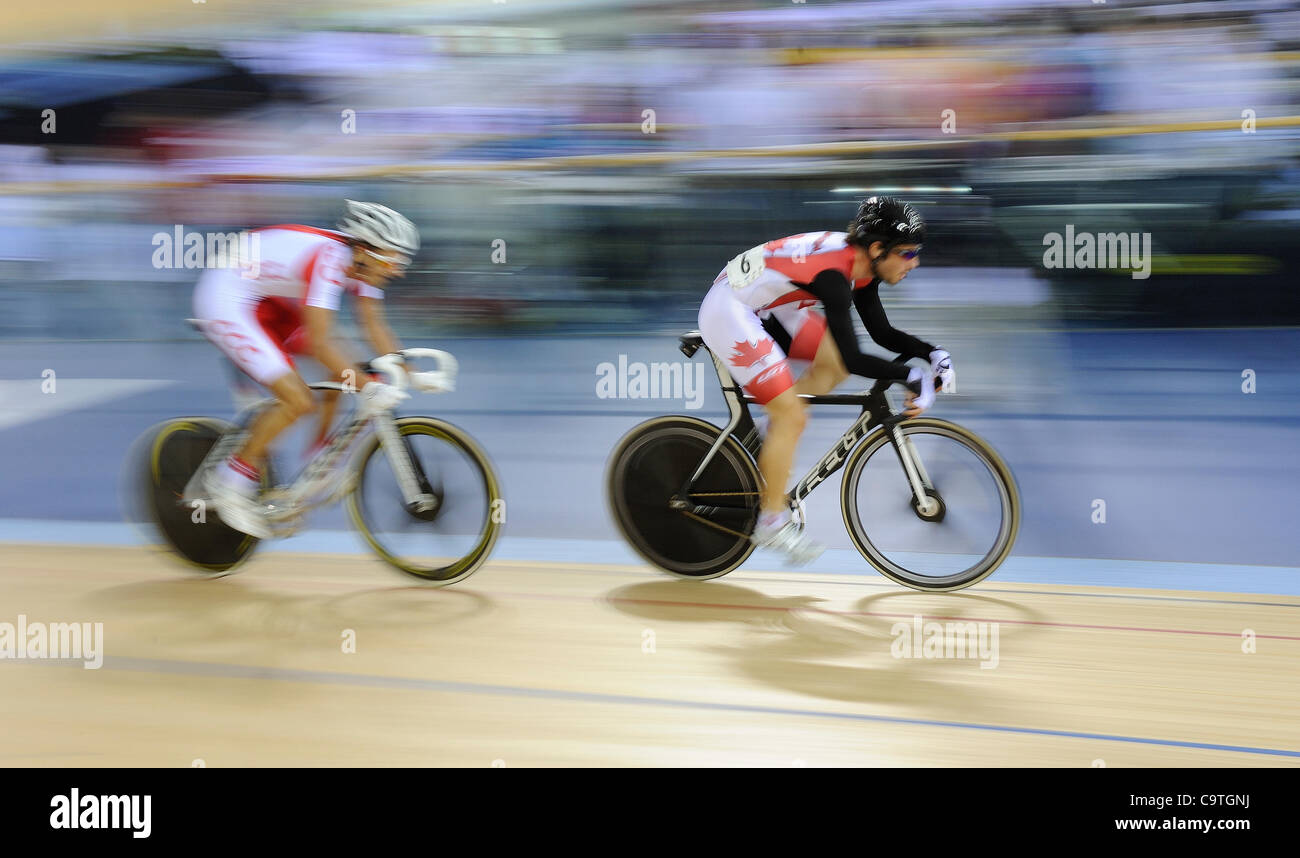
(281, 512)
(275, 512)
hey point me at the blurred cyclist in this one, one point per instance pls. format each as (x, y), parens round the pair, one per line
(288, 307)
(761, 308)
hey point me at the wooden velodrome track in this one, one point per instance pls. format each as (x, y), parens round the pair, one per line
(559, 665)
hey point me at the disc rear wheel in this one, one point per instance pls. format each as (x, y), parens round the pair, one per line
(645, 477)
(194, 530)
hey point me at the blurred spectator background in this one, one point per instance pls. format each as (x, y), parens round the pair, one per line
(605, 143)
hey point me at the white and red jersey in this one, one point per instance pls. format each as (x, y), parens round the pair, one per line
(778, 286)
(770, 274)
(254, 313)
(303, 262)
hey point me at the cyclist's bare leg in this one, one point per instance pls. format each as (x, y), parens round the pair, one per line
(827, 371)
(787, 416)
(295, 400)
(328, 406)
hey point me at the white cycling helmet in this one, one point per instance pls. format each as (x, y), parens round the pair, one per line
(380, 227)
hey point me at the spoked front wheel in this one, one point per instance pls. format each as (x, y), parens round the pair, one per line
(450, 541)
(968, 524)
(645, 476)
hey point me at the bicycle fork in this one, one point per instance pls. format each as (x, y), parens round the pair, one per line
(917, 477)
(416, 491)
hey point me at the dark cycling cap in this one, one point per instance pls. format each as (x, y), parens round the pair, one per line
(886, 219)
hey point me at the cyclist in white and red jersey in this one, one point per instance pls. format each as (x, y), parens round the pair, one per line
(285, 304)
(762, 309)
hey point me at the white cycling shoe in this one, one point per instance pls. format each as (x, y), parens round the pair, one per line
(789, 539)
(237, 507)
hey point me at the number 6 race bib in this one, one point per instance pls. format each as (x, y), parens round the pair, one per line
(746, 267)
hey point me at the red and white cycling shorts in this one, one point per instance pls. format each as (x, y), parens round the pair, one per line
(258, 333)
(734, 332)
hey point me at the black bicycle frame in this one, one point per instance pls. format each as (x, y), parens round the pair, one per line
(875, 412)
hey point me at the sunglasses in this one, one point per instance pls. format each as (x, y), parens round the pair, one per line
(909, 254)
(394, 261)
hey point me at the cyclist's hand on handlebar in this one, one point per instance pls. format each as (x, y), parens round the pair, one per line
(379, 368)
(920, 392)
(377, 396)
(944, 374)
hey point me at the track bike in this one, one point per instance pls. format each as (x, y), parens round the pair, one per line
(420, 491)
(941, 513)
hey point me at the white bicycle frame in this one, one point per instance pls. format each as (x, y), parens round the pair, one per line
(290, 503)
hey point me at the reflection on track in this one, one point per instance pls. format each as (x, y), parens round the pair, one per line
(543, 664)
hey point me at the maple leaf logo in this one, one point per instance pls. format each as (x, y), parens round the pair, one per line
(745, 354)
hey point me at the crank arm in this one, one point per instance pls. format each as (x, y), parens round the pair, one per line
(719, 512)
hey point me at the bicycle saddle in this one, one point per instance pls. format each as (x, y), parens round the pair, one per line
(691, 342)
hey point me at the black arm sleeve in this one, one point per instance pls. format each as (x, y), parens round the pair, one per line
(867, 300)
(833, 290)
